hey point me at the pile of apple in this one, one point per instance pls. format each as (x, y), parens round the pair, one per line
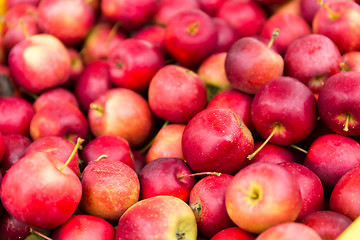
(179, 119)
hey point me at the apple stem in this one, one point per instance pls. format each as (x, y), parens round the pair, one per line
(251, 156)
(40, 234)
(346, 127)
(101, 157)
(253, 195)
(97, 107)
(112, 33)
(144, 149)
(199, 174)
(78, 144)
(21, 22)
(298, 148)
(274, 35)
(30, 94)
(192, 28)
(333, 15)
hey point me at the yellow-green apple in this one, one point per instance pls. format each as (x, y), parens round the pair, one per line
(217, 140)
(160, 217)
(263, 195)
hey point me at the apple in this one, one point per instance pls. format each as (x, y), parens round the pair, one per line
(339, 21)
(161, 217)
(345, 196)
(291, 230)
(132, 14)
(263, 195)
(92, 82)
(102, 37)
(76, 68)
(2, 146)
(54, 96)
(154, 34)
(14, 148)
(350, 61)
(233, 233)
(273, 153)
(248, 56)
(312, 59)
(176, 94)
(12, 3)
(27, 59)
(68, 20)
(328, 224)
(167, 143)
(109, 188)
(121, 112)
(246, 17)
(330, 156)
(217, 140)
(40, 190)
(133, 63)
(210, 6)
(226, 35)
(81, 227)
(11, 228)
(207, 200)
(336, 103)
(16, 114)
(113, 147)
(166, 176)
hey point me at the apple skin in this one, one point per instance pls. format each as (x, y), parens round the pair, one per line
(81, 227)
(16, 114)
(63, 120)
(77, 66)
(339, 98)
(132, 14)
(55, 96)
(14, 148)
(12, 3)
(114, 147)
(109, 188)
(92, 82)
(57, 147)
(345, 155)
(154, 34)
(291, 230)
(343, 30)
(2, 146)
(37, 193)
(290, 26)
(125, 114)
(247, 56)
(345, 196)
(50, 67)
(167, 143)
(273, 153)
(207, 200)
(176, 94)
(311, 189)
(246, 17)
(10, 228)
(227, 35)
(217, 140)
(351, 61)
(164, 217)
(100, 41)
(163, 177)
(133, 63)
(312, 59)
(287, 102)
(233, 233)
(328, 224)
(190, 37)
(68, 20)
(262, 195)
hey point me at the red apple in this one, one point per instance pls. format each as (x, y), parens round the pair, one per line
(161, 217)
(351, 61)
(210, 6)
(227, 35)
(81, 227)
(207, 200)
(287, 231)
(233, 233)
(76, 68)
(263, 195)
(217, 140)
(11, 228)
(273, 153)
(154, 34)
(29, 71)
(54, 96)
(121, 112)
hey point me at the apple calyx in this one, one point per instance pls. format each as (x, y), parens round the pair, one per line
(333, 15)
(147, 146)
(254, 194)
(193, 28)
(180, 235)
(101, 157)
(78, 144)
(112, 32)
(22, 25)
(276, 127)
(274, 35)
(196, 207)
(40, 234)
(344, 67)
(198, 174)
(97, 107)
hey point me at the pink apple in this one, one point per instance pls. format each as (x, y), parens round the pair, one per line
(54, 96)
(292, 230)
